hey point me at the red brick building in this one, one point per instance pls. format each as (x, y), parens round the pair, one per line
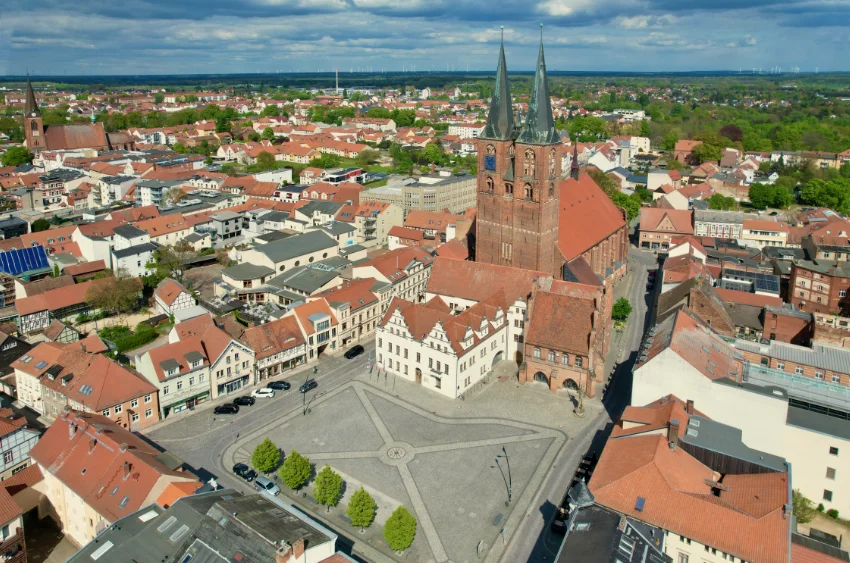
(820, 286)
(528, 217)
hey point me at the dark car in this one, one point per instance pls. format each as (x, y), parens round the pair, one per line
(242, 470)
(229, 408)
(354, 352)
(279, 385)
(309, 384)
(244, 401)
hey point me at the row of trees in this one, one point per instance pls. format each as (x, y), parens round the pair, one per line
(296, 470)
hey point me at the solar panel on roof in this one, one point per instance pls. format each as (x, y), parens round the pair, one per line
(18, 260)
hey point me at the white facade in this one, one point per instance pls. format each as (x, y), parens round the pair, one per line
(762, 418)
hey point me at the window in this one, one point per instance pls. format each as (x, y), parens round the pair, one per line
(8, 456)
(565, 359)
(551, 356)
(201, 378)
(819, 374)
(228, 360)
(179, 385)
(529, 191)
(134, 403)
(842, 293)
(148, 413)
(833, 451)
(191, 381)
(165, 390)
(836, 379)
(537, 353)
(798, 370)
(509, 188)
(830, 473)
(578, 362)
(827, 495)
(147, 398)
(780, 365)
(134, 417)
(118, 409)
(105, 413)
(683, 558)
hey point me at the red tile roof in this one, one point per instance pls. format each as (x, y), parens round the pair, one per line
(392, 264)
(587, 216)
(476, 281)
(651, 219)
(85, 268)
(744, 298)
(406, 233)
(431, 220)
(169, 290)
(802, 554)
(109, 468)
(453, 249)
(273, 337)
(561, 322)
(56, 299)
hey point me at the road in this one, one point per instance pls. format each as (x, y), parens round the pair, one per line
(532, 541)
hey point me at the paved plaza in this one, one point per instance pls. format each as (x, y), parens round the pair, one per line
(442, 469)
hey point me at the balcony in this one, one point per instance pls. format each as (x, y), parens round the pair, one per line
(13, 550)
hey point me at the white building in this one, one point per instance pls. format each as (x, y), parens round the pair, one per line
(801, 419)
(466, 130)
(132, 250)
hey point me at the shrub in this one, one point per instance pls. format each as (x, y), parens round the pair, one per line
(821, 507)
(804, 509)
(832, 513)
(125, 339)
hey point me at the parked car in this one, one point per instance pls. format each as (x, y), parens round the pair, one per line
(245, 400)
(266, 484)
(309, 384)
(354, 352)
(242, 470)
(264, 392)
(229, 408)
(279, 385)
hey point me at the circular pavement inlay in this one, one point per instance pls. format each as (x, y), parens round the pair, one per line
(396, 453)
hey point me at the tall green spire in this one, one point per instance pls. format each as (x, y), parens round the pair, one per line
(30, 105)
(500, 121)
(539, 124)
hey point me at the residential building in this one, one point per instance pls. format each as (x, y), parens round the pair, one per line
(132, 251)
(278, 345)
(291, 252)
(407, 269)
(319, 325)
(37, 312)
(166, 230)
(801, 418)
(181, 373)
(16, 441)
(760, 233)
(227, 225)
(53, 376)
(169, 296)
(820, 286)
(720, 224)
(658, 227)
(373, 221)
(96, 472)
(683, 151)
(357, 308)
(668, 459)
(231, 363)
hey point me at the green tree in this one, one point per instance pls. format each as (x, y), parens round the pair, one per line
(433, 153)
(295, 471)
(268, 134)
(803, 508)
(670, 139)
(400, 529)
(328, 486)
(608, 185)
(621, 310)
(361, 509)
(56, 271)
(158, 98)
(40, 225)
(631, 203)
(645, 130)
(719, 201)
(761, 195)
(266, 456)
(265, 161)
(16, 156)
(222, 124)
(366, 157)
(707, 152)
(673, 164)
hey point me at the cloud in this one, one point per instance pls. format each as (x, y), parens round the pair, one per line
(646, 21)
(746, 41)
(673, 42)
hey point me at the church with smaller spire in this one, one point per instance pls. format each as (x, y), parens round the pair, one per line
(530, 214)
(77, 136)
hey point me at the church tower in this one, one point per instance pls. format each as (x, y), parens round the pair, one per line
(33, 125)
(518, 176)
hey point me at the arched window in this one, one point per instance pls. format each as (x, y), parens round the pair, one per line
(491, 150)
(34, 125)
(529, 163)
(529, 191)
(552, 162)
(490, 184)
(551, 190)
(510, 151)
(509, 188)
(490, 158)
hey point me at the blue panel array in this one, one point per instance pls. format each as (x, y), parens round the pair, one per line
(19, 260)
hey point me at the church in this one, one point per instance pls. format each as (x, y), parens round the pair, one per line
(40, 137)
(529, 216)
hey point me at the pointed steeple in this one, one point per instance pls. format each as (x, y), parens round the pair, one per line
(574, 167)
(30, 105)
(539, 123)
(500, 121)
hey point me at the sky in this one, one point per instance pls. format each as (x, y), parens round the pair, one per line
(230, 36)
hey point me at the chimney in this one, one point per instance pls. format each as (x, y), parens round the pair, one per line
(92, 444)
(298, 548)
(673, 433)
(283, 553)
(689, 408)
(72, 430)
(83, 347)
(126, 468)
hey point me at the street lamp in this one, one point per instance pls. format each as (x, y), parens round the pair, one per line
(506, 478)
